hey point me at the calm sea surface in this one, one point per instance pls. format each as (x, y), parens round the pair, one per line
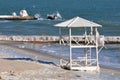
(104, 12)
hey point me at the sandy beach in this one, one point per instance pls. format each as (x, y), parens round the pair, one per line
(14, 67)
(27, 70)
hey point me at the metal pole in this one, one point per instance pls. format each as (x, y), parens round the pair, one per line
(97, 48)
(60, 36)
(85, 35)
(91, 32)
(70, 48)
(60, 47)
(85, 52)
(90, 55)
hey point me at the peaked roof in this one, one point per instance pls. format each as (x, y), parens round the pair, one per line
(78, 22)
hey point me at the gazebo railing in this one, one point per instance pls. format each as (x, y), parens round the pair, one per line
(82, 40)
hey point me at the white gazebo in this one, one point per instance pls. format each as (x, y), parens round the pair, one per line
(89, 41)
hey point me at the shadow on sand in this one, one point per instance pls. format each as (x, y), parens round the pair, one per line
(30, 59)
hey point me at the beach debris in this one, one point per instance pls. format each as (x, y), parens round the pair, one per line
(59, 75)
(1, 78)
(78, 76)
(12, 73)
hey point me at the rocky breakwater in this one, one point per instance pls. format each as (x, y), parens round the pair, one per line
(112, 39)
(45, 39)
(42, 39)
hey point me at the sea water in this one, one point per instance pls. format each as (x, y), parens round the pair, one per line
(108, 57)
(104, 12)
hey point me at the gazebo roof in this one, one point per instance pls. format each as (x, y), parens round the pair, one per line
(78, 22)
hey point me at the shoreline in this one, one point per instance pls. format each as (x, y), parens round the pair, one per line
(110, 70)
(39, 55)
(6, 61)
(45, 68)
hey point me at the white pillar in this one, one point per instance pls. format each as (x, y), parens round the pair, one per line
(60, 36)
(91, 32)
(85, 52)
(90, 54)
(60, 47)
(97, 36)
(85, 36)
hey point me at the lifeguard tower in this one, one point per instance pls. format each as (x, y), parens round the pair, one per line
(89, 41)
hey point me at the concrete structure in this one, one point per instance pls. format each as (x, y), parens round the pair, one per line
(23, 16)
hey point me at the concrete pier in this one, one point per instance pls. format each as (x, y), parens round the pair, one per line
(45, 39)
(17, 18)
